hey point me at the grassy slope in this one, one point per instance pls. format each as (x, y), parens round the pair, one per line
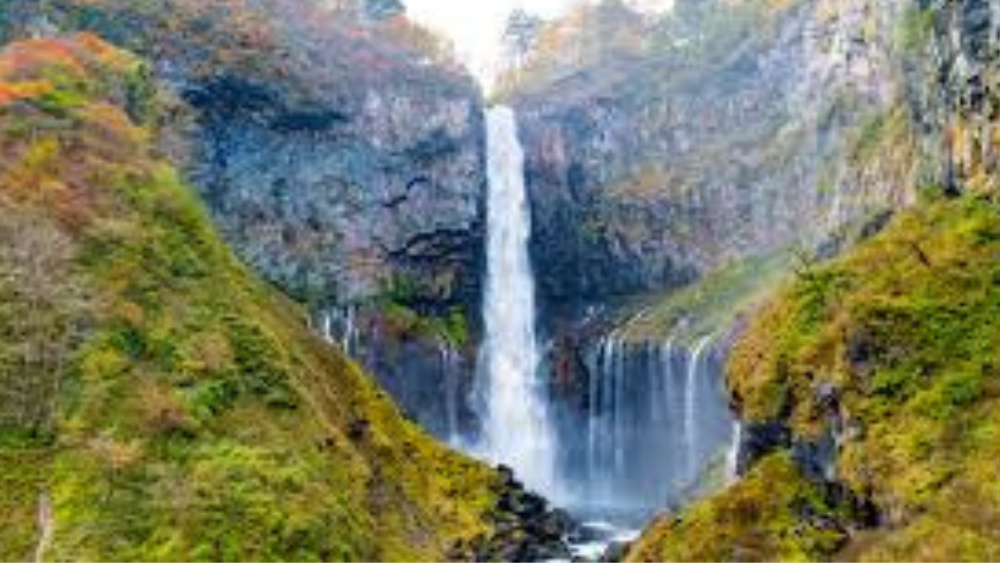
(198, 418)
(906, 327)
(709, 306)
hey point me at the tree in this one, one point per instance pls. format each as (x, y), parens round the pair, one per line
(40, 312)
(520, 36)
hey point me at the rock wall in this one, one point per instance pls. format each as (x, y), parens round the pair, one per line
(711, 145)
(743, 131)
(957, 94)
(339, 152)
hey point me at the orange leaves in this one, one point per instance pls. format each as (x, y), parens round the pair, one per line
(92, 46)
(30, 59)
(78, 56)
(39, 173)
(7, 94)
(10, 93)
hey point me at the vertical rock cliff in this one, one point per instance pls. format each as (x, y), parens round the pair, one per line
(725, 135)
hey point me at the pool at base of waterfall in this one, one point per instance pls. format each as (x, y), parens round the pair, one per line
(599, 530)
(593, 539)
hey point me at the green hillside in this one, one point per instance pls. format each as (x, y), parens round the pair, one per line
(904, 333)
(163, 402)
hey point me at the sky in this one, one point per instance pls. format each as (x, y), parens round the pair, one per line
(475, 26)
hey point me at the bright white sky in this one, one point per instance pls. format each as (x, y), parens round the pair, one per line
(475, 26)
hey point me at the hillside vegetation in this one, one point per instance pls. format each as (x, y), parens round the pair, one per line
(164, 403)
(895, 349)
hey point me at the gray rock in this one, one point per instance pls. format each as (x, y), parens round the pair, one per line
(645, 172)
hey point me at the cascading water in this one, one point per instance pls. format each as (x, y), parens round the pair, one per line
(449, 359)
(656, 414)
(656, 418)
(733, 455)
(692, 443)
(336, 326)
(516, 427)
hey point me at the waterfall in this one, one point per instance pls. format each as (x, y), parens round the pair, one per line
(348, 337)
(733, 455)
(449, 359)
(326, 326)
(516, 426)
(337, 326)
(691, 407)
(666, 379)
(657, 416)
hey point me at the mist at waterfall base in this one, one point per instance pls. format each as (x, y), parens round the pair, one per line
(654, 424)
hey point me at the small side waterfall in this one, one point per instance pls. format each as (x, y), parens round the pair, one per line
(656, 418)
(692, 444)
(516, 427)
(733, 455)
(337, 326)
(450, 364)
(429, 379)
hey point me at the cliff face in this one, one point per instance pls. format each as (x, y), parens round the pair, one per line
(725, 137)
(958, 99)
(339, 151)
(744, 130)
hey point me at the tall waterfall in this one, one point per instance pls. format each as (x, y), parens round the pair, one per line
(516, 426)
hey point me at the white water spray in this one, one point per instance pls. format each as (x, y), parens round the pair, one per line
(516, 429)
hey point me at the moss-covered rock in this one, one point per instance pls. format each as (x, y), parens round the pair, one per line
(774, 514)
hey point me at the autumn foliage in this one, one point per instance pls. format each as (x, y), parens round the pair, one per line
(62, 130)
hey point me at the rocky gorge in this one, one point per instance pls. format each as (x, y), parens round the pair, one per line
(705, 188)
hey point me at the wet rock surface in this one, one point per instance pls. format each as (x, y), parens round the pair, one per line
(759, 439)
(526, 528)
